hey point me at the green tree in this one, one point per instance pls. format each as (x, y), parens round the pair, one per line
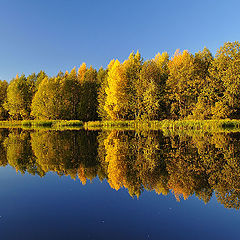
(207, 95)
(57, 98)
(150, 90)
(88, 104)
(225, 74)
(187, 82)
(19, 97)
(102, 82)
(40, 76)
(180, 83)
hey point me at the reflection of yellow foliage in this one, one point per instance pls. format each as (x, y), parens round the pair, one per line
(116, 158)
(81, 175)
(160, 188)
(220, 140)
(178, 191)
(18, 151)
(54, 152)
(185, 165)
(181, 180)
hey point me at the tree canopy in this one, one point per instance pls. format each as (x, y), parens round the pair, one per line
(185, 86)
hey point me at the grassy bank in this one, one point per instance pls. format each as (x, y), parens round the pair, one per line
(51, 124)
(206, 125)
(166, 125)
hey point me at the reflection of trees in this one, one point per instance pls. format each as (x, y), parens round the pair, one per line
(3, 154)
(55, 152)
(186, 164)
(135, 162)
(150, 163)
(187, 174)
(67, 153)
(72, 153)
(227, 180)
(19, 152)
(116, 146)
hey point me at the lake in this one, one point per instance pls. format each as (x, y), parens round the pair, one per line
(119, 185)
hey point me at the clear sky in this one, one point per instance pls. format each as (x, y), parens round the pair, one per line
(55, 35)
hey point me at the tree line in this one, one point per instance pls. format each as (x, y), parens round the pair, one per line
(186, 86)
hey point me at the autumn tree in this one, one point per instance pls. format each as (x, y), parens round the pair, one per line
(45, 102)
(225, 75)
(71, 92)
(87, 107)
(81, 72)
(120, 88)
(206, 97)
(131, 74)
(116, 104)
(40, 76)
(3, 98)
(151, 88)
(102, 82)
(187, 78)
(180, 83)
(19, 96)
(57, 98)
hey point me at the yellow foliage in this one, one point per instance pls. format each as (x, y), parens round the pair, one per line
(116, 99)
(161, 60)
(81, 72)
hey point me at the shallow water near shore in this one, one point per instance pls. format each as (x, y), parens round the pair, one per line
(119, 185)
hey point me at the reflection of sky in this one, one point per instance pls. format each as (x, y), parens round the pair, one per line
(56, 207)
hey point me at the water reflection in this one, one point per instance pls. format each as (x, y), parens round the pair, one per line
(184, 164)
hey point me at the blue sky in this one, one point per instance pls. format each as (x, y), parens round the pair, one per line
(55, 35)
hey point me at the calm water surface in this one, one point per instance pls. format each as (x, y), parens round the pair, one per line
(119, 185)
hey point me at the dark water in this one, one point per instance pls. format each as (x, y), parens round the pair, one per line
(119, 185)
